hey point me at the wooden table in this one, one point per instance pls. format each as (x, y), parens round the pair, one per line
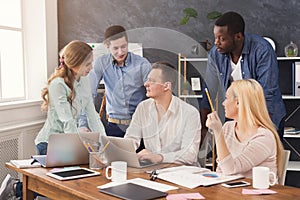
(36, 180)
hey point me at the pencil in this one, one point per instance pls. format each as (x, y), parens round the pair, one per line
(209, 100)
(86, 146)
(105, 146)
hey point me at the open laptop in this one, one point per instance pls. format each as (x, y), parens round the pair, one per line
(122, 149)
(67, 149)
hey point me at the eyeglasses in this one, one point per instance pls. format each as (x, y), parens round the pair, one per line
(152, 81)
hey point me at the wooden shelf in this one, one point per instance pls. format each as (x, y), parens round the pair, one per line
(288, 58)
(290, 97)
(194, 59)
(190, 96)
(293, 166)
(291, 136)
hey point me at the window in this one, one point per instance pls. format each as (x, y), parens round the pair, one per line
(12, 81)
(28, 48)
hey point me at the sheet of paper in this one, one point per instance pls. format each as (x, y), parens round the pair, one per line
(185, 196)
(143, 182)
(187, 169)
(258, 191)
(193, 180)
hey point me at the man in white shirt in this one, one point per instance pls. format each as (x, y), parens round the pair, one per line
(169, 126)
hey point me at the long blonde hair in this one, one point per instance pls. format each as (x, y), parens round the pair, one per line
(253, 111)
(71, 56)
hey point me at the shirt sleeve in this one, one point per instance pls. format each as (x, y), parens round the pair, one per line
(93, 117)
(258, 149)
(58, 93)
(134, 131)
(146, 70)
(95, 77)
(267, 74)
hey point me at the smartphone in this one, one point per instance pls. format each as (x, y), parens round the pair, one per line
(235, 184)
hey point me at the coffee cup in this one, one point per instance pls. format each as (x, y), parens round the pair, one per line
(261, 177)
(118, 171)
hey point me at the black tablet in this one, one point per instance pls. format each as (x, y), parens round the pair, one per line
(133, 191)
(72, 173)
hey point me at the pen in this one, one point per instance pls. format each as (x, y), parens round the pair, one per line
(34, 161)
(209, 100)
(90, 148)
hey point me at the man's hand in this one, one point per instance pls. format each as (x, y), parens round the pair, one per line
(148, 155)
(83, 129)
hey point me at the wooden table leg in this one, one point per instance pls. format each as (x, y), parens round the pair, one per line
(27, 194)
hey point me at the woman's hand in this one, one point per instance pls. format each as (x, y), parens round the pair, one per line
(214, 123)
(148, 155)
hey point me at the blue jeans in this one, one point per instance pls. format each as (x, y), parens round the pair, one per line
(117, 130)
(41, 148)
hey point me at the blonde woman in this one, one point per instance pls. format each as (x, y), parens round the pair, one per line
(68, 94)
(251, 138)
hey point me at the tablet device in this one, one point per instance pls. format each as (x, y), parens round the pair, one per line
(72, 173)
(133, 191)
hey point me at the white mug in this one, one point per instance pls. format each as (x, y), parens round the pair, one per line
(261, 177)
(118, 171)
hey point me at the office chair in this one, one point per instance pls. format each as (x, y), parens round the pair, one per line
(285, 161)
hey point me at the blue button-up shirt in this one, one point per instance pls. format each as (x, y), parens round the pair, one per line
(124, 86)
(258, 62)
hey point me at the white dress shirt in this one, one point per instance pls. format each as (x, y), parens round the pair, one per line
(176, 137)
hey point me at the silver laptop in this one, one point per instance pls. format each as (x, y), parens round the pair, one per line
(67, 149)
(122, 149)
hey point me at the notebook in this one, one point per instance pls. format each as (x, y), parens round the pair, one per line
(25, 163)
(133, 191)
(67, 149)
(122, 149)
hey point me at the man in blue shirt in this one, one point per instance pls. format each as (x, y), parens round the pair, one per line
(124, 75)
(237, 55)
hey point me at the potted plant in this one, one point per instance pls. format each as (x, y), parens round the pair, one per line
(190, 12)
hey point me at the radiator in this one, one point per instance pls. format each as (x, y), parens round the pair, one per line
(17, 143)
(9, 148)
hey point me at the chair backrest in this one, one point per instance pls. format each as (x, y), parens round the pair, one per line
(285, 161)
(203, 150)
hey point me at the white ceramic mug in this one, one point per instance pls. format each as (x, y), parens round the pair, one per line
(261, 177)
(118, 171)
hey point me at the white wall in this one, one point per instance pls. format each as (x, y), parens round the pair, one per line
(23, 119)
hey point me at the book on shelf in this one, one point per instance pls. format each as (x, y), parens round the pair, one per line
(25, 163)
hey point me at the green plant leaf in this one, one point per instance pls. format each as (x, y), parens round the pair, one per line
(190, 12)
(213, 15)
(184, 20)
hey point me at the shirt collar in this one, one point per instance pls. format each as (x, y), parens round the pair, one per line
(172, 107)
(246, 46)
(127, 60)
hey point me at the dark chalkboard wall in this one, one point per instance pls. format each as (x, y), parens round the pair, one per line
(87, 19)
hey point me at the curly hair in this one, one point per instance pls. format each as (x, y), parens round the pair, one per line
(71, 56)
